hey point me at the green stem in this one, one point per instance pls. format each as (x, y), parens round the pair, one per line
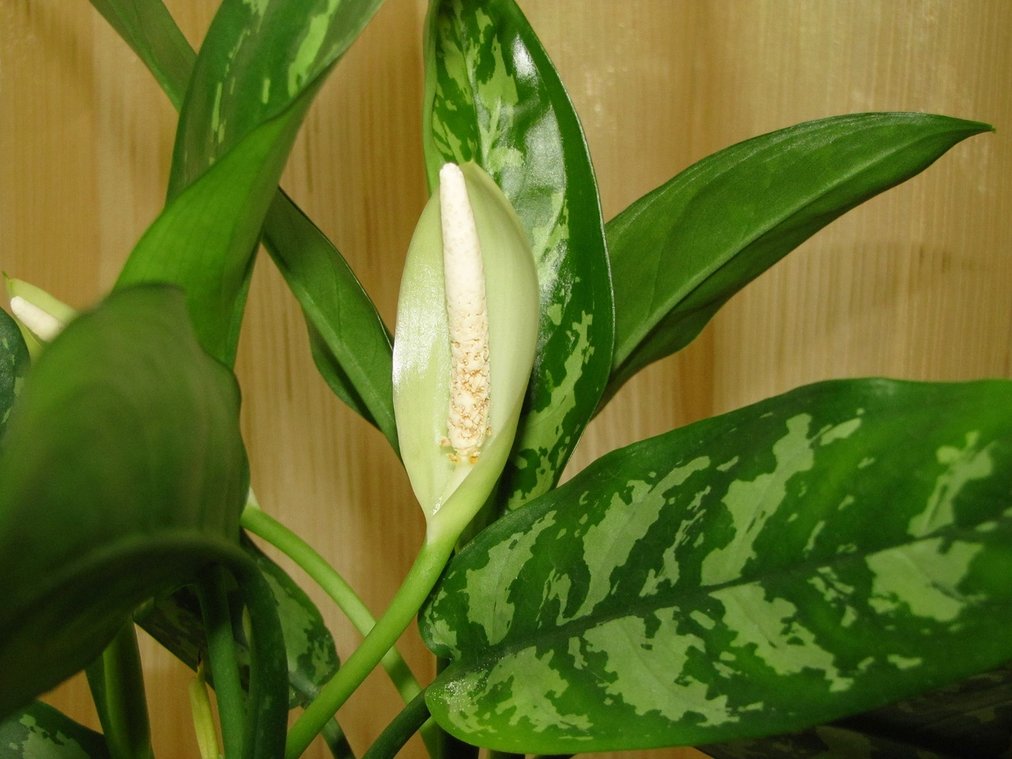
(117, 684)
(336, 741)
(223, 659)
(323, 574)
(408, 600)
(400, 729)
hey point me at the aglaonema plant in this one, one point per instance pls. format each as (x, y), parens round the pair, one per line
(822, 573)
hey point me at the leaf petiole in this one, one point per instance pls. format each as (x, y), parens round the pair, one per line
(264, 526)
(223, 659)
(421, 578)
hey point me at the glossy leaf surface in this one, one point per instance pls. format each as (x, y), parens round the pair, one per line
(247, 97)
(815, 555)
(14, 363)
(350, 343)
(970, 718)
(122, 472)
(493, 97)
(680, 252)
(174, 620)
(41, 732)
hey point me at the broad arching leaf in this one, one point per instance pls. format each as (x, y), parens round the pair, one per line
(812, 556)
(681, 251)
(122, 473)
(493, 97)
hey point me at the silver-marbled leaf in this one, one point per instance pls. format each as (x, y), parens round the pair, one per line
(809, 557)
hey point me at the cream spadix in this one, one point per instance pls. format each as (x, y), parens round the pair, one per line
(40, 316)
(464, 346)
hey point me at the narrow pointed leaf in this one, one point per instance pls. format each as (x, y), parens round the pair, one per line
(970, 718)
(493, 97)
(681, 251)
(351, 345)
(39, 731)
(14, 364)
(148, 28)
(122, 472)
(815, 555)
(254, 80)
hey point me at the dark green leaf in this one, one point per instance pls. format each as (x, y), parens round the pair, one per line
(972, 718)
(254, 80)
(351, 345)
(122, 472)
(492, 96)
(41, 732)
(681, 251)
(14, 363)
(148, 28)
(815, 555)
(174, 620)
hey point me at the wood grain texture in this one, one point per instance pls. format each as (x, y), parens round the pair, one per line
(915, 284)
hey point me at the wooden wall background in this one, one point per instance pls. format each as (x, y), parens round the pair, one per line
(915, 284)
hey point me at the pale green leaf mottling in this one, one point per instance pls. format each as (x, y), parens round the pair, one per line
(217, 126)
(530, 682)
(487, 588)
(557, 589)
(647, 671)
(770, 629)
(904, 662)
(562, 399)
(836, 592)
(752, 502)
(726, 466)
(309, 49)
(924, 578)
(39, 742)
(840, 431)
(608, 545)
(964, 465)
(669, 572)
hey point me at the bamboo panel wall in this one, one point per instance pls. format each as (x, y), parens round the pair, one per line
(915, 284)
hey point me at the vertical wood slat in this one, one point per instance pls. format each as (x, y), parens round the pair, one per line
(914, 284)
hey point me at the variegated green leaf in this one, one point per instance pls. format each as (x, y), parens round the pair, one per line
(41, 732)
(815, 555)
(493, 97)
(972, 718)
(681, 251)
(14, 364)
(174, 620)
(257, 72)
(350, 343)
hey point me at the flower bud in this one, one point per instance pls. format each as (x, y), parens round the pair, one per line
(467, 326)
